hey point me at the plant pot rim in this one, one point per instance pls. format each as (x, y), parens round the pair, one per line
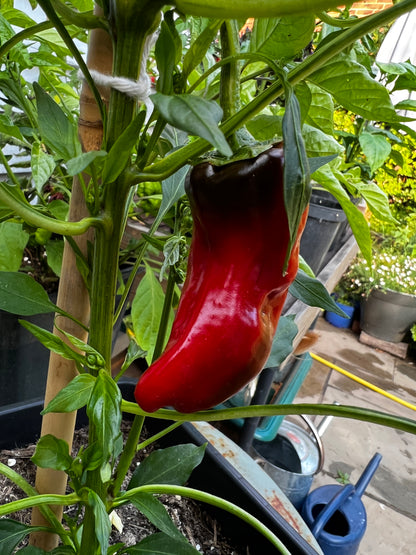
(387, 290)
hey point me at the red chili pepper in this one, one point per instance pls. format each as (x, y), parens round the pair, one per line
(235, 288)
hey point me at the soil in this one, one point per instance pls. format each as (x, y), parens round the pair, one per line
(198, 526)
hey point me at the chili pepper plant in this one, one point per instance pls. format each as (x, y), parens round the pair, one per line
(232, 137)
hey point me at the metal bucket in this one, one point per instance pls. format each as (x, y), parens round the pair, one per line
(292, 458)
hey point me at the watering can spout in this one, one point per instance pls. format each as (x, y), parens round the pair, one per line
(367, 474)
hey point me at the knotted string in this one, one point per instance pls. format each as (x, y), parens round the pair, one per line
(140, 89)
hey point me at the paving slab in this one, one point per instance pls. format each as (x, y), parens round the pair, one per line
(390, 498)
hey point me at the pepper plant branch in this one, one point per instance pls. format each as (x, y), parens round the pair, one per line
(229, 98)
(30, 491)
(344, 411)
(338, 22)
(86, 20)
(252, 8)
(158, 436)
(33, 217)
(209, 498)
(171, 163)
(8, 169)
(38, 501)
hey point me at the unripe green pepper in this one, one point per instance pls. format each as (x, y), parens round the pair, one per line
(235, 287)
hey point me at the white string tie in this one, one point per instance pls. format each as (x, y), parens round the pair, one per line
(140, 89)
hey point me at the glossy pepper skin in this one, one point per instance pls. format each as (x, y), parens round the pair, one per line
(235, 287)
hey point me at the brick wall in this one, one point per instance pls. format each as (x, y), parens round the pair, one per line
(368, 7)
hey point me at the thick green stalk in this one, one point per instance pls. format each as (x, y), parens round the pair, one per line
(129, 28)
(230, 75)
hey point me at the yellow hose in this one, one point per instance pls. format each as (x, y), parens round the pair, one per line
(363, 382)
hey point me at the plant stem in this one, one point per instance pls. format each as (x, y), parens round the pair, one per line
(355, 413)
(37, 501)
(164, 319)
(129, 29)
(211, 500)
(128, 453)
(230, 75)
(159, 435)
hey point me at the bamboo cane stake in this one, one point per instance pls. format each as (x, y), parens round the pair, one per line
(72, 294)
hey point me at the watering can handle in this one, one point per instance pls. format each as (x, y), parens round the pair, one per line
(318, 441)
(330, 508)
(367, 474)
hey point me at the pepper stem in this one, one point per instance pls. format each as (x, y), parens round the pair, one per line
(229, 97)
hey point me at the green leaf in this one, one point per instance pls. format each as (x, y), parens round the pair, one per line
(161, 544)
(282, 37)
(74, 396)
(376, 149)
(54, 254)
(194, 115)
(407, 104)
(11, 534)
(94, 359)
(318, 143)
(297, 187)
(168, 48)
(102, 520)
(13, 240)
(146, 312)
(172, 465)
(376, 199)
(104, 411)
(81, 162)
(42, 165)
(359, 225)
(121, 150)
(351, 86)
(52, 452)
(312, 292)
(283, 341)
(92, 457)
(58, 132)
(7, 128)
(133, 353)
(196, 52)
(59, 209)
(53, 342)
(173, 188)
(21, 294)
(265, 127)
(32, 550)
(321, 109)
(156, 513)
(62, 550)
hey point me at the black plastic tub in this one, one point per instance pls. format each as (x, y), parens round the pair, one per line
(325, 224)
(20, 425)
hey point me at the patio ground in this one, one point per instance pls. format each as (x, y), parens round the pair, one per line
(390, 499)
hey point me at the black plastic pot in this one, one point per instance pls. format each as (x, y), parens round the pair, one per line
(20, 425)
(326, 223)
(23, 360)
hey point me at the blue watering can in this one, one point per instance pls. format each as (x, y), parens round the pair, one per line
(336, 515)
